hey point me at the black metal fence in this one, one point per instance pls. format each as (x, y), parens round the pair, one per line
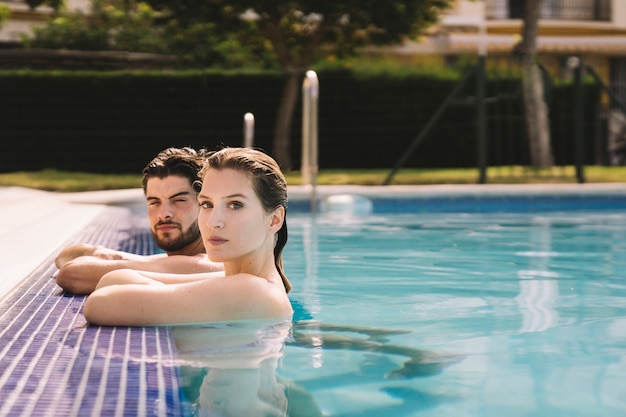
(582, 130)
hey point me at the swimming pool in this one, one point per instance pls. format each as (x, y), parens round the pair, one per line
(464, 303)
(521, 310)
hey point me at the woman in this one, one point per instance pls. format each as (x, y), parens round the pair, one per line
(243, 203)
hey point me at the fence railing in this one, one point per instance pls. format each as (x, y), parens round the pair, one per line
(598, 10)
(500, 133)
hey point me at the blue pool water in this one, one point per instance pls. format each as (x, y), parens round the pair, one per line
(409, 312)
(456, 305)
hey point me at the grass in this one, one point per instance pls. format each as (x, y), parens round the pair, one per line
(62, 181)
(53, 180)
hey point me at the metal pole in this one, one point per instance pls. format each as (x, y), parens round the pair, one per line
(306, 133)
(248, 130)
(314, 124)
(481, 120)
(309, 165)
(578, 120)
(481, 104)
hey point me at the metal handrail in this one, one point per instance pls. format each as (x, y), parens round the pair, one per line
(309, 166)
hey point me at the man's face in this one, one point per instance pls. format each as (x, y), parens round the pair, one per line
(172, 212)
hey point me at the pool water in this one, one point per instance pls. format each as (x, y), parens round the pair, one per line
(450, 314)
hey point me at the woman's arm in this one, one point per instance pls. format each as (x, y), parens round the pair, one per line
(147, 301)
(131, 276)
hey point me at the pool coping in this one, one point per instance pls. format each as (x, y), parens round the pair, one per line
(305, 192)
(456, 190)
(476, 191)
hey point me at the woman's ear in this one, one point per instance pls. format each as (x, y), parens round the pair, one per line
(277, 219)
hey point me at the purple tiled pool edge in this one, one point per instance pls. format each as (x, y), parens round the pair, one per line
(53, 363)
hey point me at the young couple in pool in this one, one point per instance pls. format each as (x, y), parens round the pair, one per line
(223, 230)
(223, 247)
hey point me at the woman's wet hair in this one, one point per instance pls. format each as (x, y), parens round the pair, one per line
(268, 182)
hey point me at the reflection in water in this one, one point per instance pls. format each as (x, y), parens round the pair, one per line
(536, 301)
(420, 363)
(229, 370)
(537, 293)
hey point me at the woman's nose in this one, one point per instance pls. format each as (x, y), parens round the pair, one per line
(215, 219)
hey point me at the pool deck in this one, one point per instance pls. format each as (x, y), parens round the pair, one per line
(52, 363)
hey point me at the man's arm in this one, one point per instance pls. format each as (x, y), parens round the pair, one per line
(81, 275)
(84, 249)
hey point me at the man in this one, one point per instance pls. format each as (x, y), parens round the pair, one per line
(169, 185)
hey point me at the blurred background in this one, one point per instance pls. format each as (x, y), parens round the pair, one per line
(102, 86)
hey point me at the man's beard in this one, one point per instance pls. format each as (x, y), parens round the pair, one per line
(186, 238)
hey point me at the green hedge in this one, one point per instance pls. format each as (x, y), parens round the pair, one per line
(116, 122)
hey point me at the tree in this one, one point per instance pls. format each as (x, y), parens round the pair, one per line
(300, 32)
(4, 13)
(536, 110)
(122, 25)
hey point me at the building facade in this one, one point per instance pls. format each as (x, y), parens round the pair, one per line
(23, 19)
(592, 30)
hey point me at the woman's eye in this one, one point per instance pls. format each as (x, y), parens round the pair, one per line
(206, 205)
(235, 205)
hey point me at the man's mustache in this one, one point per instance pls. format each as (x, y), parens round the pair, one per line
(161, 223)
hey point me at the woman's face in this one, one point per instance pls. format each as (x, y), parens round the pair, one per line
(232, 221)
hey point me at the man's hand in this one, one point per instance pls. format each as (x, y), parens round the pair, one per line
(83, 249)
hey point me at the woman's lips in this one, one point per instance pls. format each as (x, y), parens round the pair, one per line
(216, 240)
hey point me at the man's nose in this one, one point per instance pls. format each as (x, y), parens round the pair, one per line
(165, 212)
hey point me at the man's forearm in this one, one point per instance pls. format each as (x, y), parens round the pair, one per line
(81, 275)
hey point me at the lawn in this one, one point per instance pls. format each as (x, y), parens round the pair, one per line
(62, 181)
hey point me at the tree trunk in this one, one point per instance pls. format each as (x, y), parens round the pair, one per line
(284, 117)
(537, 123)
(536, 110)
